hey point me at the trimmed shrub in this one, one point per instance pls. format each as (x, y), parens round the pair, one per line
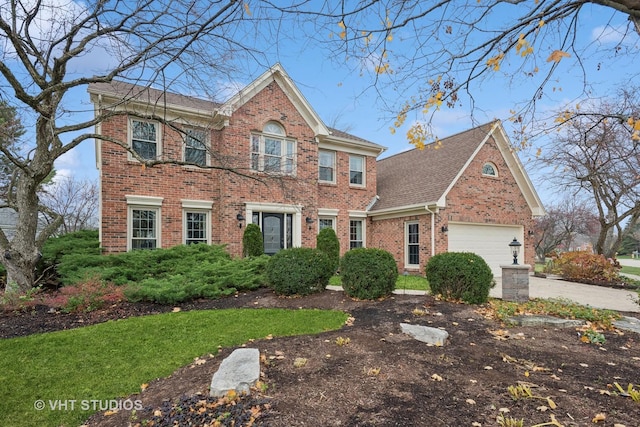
(299, 271)
(581, 266)
(327, 241)
(252, 242)
(461, 276)
(368, 273)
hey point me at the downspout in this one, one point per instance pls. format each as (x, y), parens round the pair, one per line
(433, 231)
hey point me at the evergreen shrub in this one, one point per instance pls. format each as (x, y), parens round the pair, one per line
(299, 271)
(461, 276)
(252, 242)
(368, 273)
(327, 241)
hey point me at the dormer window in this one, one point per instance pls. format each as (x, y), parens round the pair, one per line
(489, 169)
(272, 151)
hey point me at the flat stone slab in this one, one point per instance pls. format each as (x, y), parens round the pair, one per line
(239, 371)
(429, 335)
(628, 323)
(550, 321)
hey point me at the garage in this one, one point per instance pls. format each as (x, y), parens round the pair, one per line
(491, 242)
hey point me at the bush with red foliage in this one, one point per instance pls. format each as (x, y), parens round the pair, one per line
(581, 266)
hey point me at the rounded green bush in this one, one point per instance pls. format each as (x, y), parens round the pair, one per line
(327, 241)
(368, 273)
(252, 243)
(460, 275)
(299, 271)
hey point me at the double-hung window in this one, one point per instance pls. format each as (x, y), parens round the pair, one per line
(144, 138)
(327, 166)
(143, 228)
(272, 151)
(356, 233)
(356, 170)
(326, 223)
(412, 240)
(195, 147)
(196, 219)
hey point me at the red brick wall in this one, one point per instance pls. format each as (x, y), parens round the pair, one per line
(228, 191)
(474, 198)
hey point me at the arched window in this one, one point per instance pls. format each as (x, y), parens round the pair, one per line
(489, 169)
(272, 151)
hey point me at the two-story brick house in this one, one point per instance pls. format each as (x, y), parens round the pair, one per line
(266, 157)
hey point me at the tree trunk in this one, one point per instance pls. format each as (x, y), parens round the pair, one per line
(20, 273)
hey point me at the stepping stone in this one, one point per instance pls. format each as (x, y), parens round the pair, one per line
(239, 371)
(432, 336)
(546, 321)
(628, 323)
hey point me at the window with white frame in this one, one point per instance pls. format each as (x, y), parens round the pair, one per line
(144, 138)
(327, 166)
(195, 147)
(356, 170)
(143, 222)
(272, 151)
(196, 220)
(356, 233)
(489, 169)
(412, 241)
(326, 223)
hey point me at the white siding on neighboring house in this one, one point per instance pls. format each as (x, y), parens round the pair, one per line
(8, 219)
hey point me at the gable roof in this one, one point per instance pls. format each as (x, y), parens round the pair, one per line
(118, 94)
(421, 179)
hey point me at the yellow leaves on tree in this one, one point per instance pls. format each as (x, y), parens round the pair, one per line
(343, 33)
(246, 9)
(417, 135)
(495, 61)
(635, 128)
(523, 48)
(557, 55)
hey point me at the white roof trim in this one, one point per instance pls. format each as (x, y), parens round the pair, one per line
(513, 163)
(276, 73)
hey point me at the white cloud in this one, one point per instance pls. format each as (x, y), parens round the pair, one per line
(606, 34)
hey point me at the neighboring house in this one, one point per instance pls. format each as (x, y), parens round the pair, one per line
(292, 175)
(8, 219)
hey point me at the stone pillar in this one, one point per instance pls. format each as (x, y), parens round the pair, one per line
(515, 282)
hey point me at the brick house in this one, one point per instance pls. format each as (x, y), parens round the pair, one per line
(266, 157)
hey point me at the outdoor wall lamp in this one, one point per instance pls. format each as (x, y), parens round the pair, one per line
(309, 221)
(240, 218)
(444, 228)
(515, 250)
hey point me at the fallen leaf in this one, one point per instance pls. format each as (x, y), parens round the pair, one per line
(299, 362)
(471, 401)
(144, 386)
(436, 377)
(584, 365)
(488, 368)
(476, 424)
(504, 410)
(176, 309)
(268, 337)
(107, 413)
(542, 408)
(599, 417)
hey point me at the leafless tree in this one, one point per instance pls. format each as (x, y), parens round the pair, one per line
(441, 54)
(564, 221)
(51, 50)
(596, 154)
(76, 201)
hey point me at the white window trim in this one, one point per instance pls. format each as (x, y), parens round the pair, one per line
(283, 149)
(207, 147)
(295, 210)
(144, 203)
(406, 244)
(335, 171)
(196, 206)
(130, 137)
(364, 171)
(362, 219)
(495, 169)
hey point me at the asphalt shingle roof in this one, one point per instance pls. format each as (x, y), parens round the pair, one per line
(422, 176)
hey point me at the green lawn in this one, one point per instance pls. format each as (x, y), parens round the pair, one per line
(417, 283)
(113, 359)
(630, 270)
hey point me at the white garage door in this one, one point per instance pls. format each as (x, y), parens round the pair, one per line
(491, 242)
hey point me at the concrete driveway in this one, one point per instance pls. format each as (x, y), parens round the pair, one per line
(594, 296)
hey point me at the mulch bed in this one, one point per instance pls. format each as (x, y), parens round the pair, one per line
(382, 377)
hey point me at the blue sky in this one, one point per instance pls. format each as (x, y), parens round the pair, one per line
(339, 94)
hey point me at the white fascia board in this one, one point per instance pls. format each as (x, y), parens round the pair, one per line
(350, 146)
(357, 214)
(170, 112)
